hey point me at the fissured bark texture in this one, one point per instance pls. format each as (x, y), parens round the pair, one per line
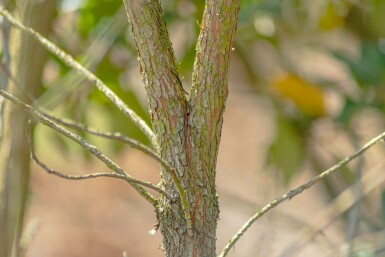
(188, 130)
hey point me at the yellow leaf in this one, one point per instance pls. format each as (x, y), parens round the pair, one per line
(307, 97)
(330, 19)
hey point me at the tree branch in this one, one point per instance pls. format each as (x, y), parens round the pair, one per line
(89, 147)
(71, 62)
(166, 96)
(93, 175)
(102, 42)
(206, 106)
(210, 76)
(339, 206)
(114, 136)
(299, 190)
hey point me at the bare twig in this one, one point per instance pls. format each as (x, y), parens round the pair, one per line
(297, 191)
(71, 62)
(340, 205)
(115, 136)
(79, 140)
(92, 175)
(105, 33)
(120, 137)
(68, 60)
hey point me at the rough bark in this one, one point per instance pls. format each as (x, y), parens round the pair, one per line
(27, 60)
(207, 104)
(188, 132)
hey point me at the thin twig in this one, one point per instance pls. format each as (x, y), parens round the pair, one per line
(71, 62)
(129, 141)
(92, 175)
(340, 205)
(297, 191)
(68, 60)
(79, 140)
(115, 136)
(105, 34)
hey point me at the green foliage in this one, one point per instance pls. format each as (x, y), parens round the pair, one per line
(369, 68)
(92, 11)
(286, 152)
(298, 28)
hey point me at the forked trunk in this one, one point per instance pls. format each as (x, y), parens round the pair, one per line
(187, 131)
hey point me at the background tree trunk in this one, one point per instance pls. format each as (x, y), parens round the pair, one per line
(26, 59)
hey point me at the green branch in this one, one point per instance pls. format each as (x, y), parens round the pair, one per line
(89, 147)
(72, 63)
(298, 190)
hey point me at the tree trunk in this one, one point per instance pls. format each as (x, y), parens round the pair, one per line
(188, 130)
(27, 60)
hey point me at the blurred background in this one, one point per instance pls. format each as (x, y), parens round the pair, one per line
(307, 87)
